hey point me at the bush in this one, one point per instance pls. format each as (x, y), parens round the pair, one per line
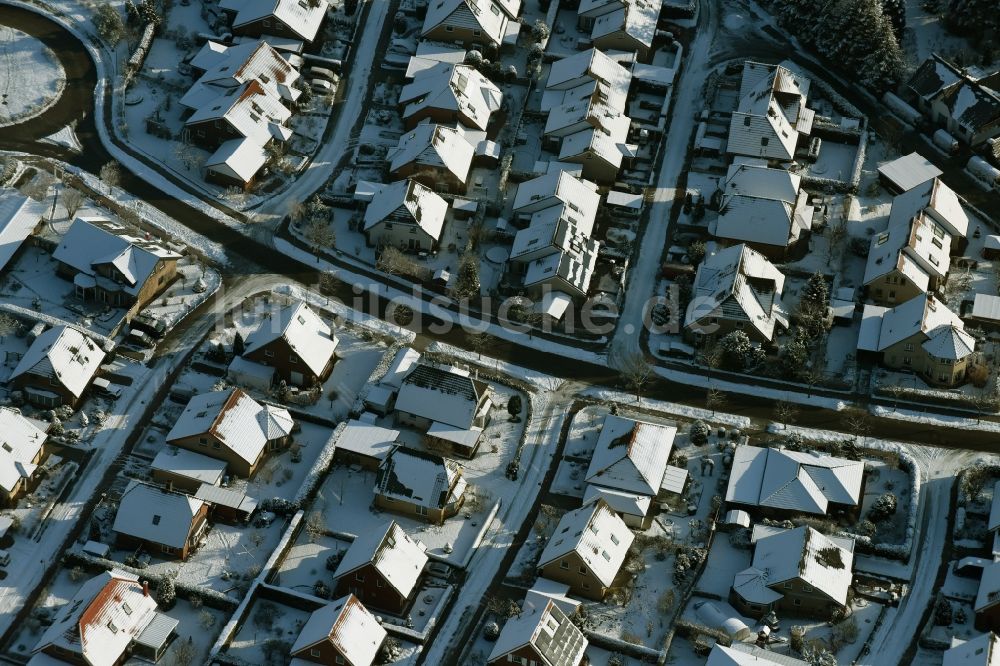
(166, 593)
(699, 432)
(943, 615)
(882, 508)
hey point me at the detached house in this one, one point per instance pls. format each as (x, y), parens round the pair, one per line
(22, 448)
(185, 470)
(297, 19)
(342, 632)
(233, 427)
(434, 155)
(736, 289)
(557, 196)
(110, 618)
(964, 102)
(796, 570)
(921, 335)
(109, 265)
(448, 93)
(381, 568)
(419, 484)
(542, 635)
(772, 113)
(629, 466)
(161, 522)
(448, 404)
(20, 217)
(940, 203)
(405, 215)
(620, 25)
(907, 260)
(764, 208)
(780, 482)
(472, 23)
(745, 654)
(57, 368)
(983, 650)
(554, 255)
(587, 550)
(297, 343)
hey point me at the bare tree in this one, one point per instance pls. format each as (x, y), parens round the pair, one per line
(858, 423)
(634, 368)
(8, 325)
(72, 199)
(785, 413)
(479, 342)
(320, 235)
(111, 175)
(38, 187)
(835, 237)
(715, 399)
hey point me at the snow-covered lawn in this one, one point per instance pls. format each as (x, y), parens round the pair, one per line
(33, 79)
(269, 626)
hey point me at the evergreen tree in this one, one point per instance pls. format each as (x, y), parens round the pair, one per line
(895, 11)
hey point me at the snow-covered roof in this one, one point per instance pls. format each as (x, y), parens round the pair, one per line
(92, 242)
(922, 315)
(555, 188)
(397, 557)
(305, 332)
(189, 464)
(919, 247)
(573, 268)
(446, 395)
(408, 202)
(983, 650)
(157, 515)
(909, 171)
(233, 498)
(989, 587)
(405, 360)
(771, 113)
(367, 439)
(238, 158)
(227, 67)
(544, 238)
(745, 654)
(803, 553)
(301, 16)
(986, 307)
(631, 455)
(236, 420)
(548, 630)
(430, 53)
(635, 18)
(973, 105)
(632, 504)
(348, 626)
(64, 355)
(994, 521)
(937, 200)
(949, 342)
(590, 65)
(420, 478)
(102, 619)
(545, 590)
(597, 535)
(488, 16)
(793, 480)
(250, 111)
(459, 88)
(762, 205)
(436, 146)
(20, 441)
(19, 215)
(738, 283)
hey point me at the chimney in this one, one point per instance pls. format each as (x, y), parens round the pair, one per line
(145, 588)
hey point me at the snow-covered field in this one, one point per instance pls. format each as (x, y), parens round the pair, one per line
(32, 79)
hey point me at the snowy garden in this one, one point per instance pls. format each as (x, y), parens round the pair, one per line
(33, 77)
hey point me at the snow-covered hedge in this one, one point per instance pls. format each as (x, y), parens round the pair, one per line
(319, 468)
(900, 551)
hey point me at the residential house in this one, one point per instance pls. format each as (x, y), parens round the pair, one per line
(445, 402)
(745, 654)
(110, 618)
(434, 155)
(764, 208)
(57, 368)
(227, 67)
(415, 483)
(20, 217)
(22, 448)
(987, 604)
(381, 568)
(406, 215)
(557, 195)
(541, 635)
(587, 550)
(575, 77)
(158, 521)
(983, 650)
(184, 470)
(554, 256)
(472, 23)
(628, 466)
(297, 19)
(783, 482)
(907, 260)
(993, 522)
(736, 289)
(364, 444)
(342, 632)
(964, 102)
(937, 201)
(798, 570)
(771, 115)
(227, 505)
(232, 426)
(109, 265)
(904, 173)
(601, 151)
(447, 93)
(923, 336)
(620, 25)
(296, 342)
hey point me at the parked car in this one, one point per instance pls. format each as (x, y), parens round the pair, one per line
(321, 86)
(323, 73)
(151, 325)
(139, 338)
(107, 389)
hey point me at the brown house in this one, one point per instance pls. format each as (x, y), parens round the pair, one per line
(987, 604)
(158, 521)
(22, 448)
(342, 632)
(434, 155)
(295, 19)
(297, 343)
(799, 570)
(587, 550)
(543, 636)
(420, 485)
(58, 368)
(381, 568)
(108, 265)
(232, 427)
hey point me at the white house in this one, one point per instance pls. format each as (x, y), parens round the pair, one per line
(446, 93)
(406, 215)
(772, 113)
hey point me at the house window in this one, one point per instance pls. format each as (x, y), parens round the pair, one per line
(614, 539)
(585, 585)
(797, 602)
(564, 565)
(787, 585)
(582, 570)
(216, 445)
(166, 549)
(764, 140)
(421, 510)
(746, 121)
(360, 577)
(315, 652)
(477, 33)
(908, 346)
(156, 520)
(112, 627)
(269, 353)
(292, 358)
(379, 583)
(449, 28)
(339, 659)
(907, 360)
(807, 588)
(127, 608)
